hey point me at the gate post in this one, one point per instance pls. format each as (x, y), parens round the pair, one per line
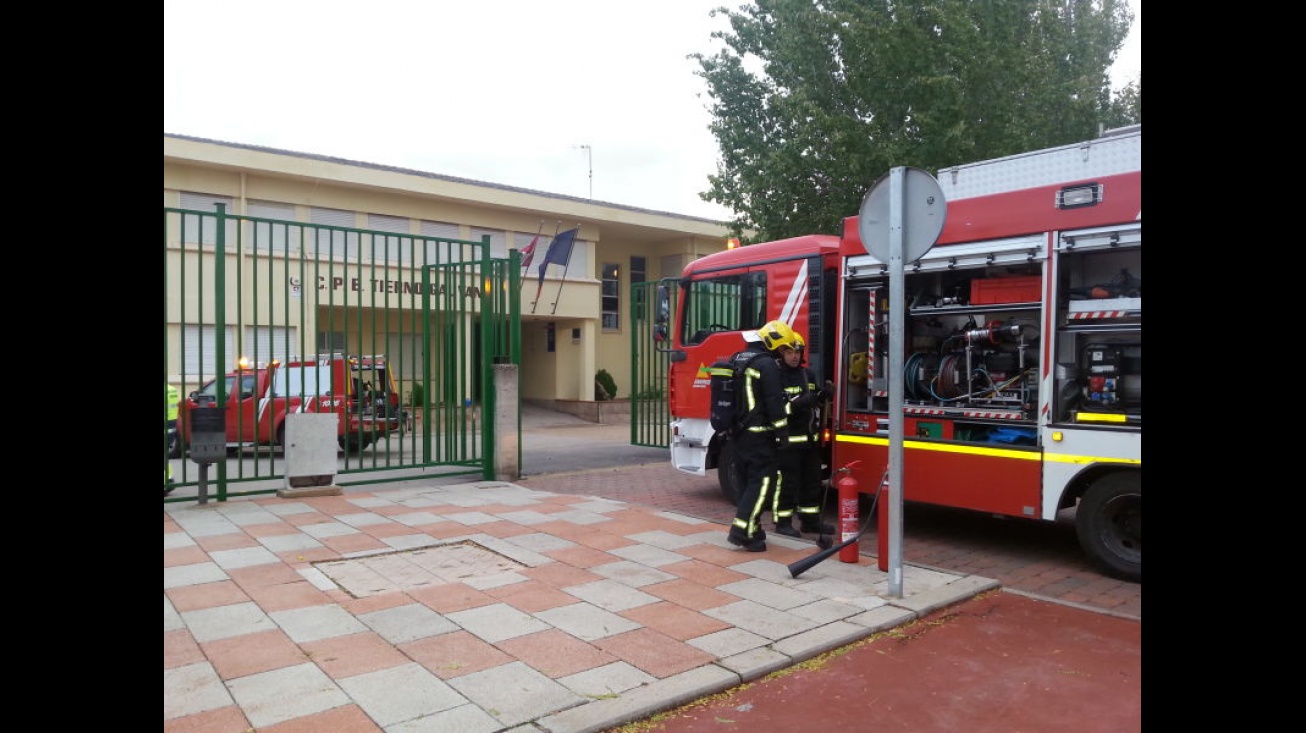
(506, 445)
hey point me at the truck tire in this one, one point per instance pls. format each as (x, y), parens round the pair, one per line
(726, 475)
(1109, 523)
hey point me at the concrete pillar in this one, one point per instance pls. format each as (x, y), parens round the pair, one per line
(507, 421)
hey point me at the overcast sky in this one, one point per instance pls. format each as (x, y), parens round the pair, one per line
(502, 91)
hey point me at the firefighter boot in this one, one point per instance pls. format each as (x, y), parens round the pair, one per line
(785, 526)
(757, 543)
(814, 525)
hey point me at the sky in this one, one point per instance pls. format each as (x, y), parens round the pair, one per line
(587, 98)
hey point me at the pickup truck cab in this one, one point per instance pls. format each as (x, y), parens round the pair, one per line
(360, 389)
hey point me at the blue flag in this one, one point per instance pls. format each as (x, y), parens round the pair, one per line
(559, 250)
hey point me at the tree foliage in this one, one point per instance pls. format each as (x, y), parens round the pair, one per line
(814, 100)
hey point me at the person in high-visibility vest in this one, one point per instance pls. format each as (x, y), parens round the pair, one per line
(172, 399)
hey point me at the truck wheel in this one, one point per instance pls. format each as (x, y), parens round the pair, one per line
(1109, 522)
(174, 444)
(727, 477)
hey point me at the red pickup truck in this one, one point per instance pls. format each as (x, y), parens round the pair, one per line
(360, 389)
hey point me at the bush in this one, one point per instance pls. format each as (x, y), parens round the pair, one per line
(417, 395)
(605, 388)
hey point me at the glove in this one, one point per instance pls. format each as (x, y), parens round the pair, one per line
(808, 401)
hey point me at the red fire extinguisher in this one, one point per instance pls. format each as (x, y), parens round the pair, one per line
(848, 511)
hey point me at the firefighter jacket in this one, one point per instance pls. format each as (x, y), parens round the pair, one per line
(803, 399)
(765, 411)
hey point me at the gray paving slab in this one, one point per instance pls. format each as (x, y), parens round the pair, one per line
(761, 619)
(278, 695)
(612, 595)
(194, 688)
(317, 622)
(399, 694)
(586, 621)
(409, 622)
(641, 702)
(222, 622)
(515, 693)
(469, 718)
(180, 576)
(497, 622)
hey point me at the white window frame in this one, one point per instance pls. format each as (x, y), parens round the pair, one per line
(206, 227)
(273, 237)
(321, 240)
(197, 339)
(389, 249)
(606, 314)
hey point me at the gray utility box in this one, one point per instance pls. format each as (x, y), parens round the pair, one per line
(208, 435)
(310, 449)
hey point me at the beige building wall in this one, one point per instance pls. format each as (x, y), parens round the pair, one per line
(568, 306)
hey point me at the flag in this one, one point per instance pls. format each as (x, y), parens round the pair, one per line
(559, 250)
(528, 253)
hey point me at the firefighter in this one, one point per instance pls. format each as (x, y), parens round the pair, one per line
(798, 485)
(172, 399)
(763, 428)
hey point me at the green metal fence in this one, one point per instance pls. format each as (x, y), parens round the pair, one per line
(650, 414)
(418, 320)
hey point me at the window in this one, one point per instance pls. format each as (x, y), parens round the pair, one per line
(404, 353)
(197, 229)
(199, 346)
(732, 303)
(331, 343)
(381, 247)
(333, 243)
(498, 241)
(274, 236)
(265, 343)
(611, 296)
(433, 251)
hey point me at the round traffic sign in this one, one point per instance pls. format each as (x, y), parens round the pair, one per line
(923, 210)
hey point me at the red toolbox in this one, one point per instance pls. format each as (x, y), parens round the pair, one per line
(1005, 290)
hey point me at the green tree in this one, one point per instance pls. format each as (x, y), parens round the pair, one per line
(814, 100)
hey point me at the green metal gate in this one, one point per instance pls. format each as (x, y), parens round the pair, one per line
(653, 305)
(420, 321)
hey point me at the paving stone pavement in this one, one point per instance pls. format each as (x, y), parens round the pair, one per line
(488, 606)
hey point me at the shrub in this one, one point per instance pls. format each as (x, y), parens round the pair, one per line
(417, 395)
(605, 388)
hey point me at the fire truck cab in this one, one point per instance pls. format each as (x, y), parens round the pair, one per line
(360, 389)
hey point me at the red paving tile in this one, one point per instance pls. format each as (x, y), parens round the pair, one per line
(454, 654)
(247, 654)
(655, 653)
(206, 595)
(346, 656)
(555, 653)
(227, 719)
(674, 621)
(349, 718)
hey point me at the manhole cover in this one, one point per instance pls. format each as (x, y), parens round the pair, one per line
(408, 569)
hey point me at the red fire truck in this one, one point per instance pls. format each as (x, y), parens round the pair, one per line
(360, 389)
(1022, 344)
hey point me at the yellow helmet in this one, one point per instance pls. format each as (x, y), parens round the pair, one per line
(778, 333)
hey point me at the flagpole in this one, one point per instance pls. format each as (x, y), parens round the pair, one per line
(558, 297)
(534, 243)
(543, 265)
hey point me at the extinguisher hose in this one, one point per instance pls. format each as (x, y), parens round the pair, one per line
(807, 563)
